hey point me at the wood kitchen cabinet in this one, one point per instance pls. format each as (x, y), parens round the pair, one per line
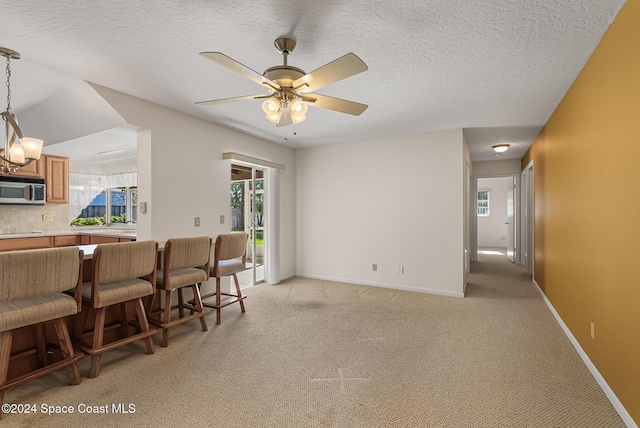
(57, 179)
(31, 243)
(66, 240)
(104, 239)
(35, 169)
(25, 243)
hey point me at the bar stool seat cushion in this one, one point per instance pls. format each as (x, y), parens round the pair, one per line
(229, 267)
(181, 278)
(19, 313)
(112, 293)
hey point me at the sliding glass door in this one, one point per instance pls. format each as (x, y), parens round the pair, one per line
(248, 215)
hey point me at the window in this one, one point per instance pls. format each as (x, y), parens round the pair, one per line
(111, 206)
(483, 203)
(124, 204)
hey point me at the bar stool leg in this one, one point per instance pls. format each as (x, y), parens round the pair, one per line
(218, 308)
(238, 292)
(5, 355)
(124, 326)
(144, 325)
(180, 304)
(199, 308)
(41, 341)
(81, 319)
(67, 350)
(150, 301)
(166, 319)
(98, 336)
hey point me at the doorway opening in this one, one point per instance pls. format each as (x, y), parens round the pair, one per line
(248, 215)
(496, 231)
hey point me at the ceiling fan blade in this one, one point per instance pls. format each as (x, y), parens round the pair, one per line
(341, 68)
(242, 69)
(336, 104)
(232, 100)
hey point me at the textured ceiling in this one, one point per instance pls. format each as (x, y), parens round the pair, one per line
(497, 68)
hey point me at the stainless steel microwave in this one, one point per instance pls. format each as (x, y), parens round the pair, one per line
(22, 191)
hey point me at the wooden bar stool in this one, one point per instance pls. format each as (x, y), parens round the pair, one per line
(32, 286)
(185, 264)
(121, 273)
(230, 258)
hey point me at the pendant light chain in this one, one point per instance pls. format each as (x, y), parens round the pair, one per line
(8, 82)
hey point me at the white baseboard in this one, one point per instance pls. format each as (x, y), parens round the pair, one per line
(282, 278)
(385, 285)
(626, 417)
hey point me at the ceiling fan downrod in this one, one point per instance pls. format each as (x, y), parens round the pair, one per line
(285, 46)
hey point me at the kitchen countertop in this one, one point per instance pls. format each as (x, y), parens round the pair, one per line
(116, 233)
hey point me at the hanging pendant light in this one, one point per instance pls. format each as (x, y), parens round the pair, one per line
(19, 151)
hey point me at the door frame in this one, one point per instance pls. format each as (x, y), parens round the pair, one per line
(516, 214)
(527, 215)
(271, 209)
(250, 193)
(253, 223)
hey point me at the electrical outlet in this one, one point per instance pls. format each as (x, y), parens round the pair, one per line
(47, 217)
(197, 221)
(593, 331)
(374, 267)
(221, 219)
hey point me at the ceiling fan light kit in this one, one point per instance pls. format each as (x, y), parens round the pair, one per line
(272, 109)
(290, 88)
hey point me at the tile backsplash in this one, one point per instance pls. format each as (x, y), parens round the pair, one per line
(29, 219)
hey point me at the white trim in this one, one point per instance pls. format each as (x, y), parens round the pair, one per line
(272, 229)
(384, 285)
(282, 278)
(251, 160)
(624, 415)
(516, 213)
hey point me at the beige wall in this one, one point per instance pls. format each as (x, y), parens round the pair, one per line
(181, 173)
(394, 201)
(586, 207)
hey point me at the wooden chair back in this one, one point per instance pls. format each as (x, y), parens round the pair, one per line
(183, 253)
(121, 261)
(229, 246)
(33, 273)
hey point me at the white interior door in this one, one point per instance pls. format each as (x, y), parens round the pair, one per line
(526, 225)
(511, 235)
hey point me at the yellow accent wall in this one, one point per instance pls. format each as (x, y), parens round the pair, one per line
(587, 207)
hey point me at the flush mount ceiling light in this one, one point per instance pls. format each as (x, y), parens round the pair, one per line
(500, 148)
(290, 89)
(19, 151)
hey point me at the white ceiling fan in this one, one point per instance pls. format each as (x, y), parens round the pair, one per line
(290, 89)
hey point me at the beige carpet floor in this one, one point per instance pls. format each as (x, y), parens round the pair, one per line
(311, 353)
